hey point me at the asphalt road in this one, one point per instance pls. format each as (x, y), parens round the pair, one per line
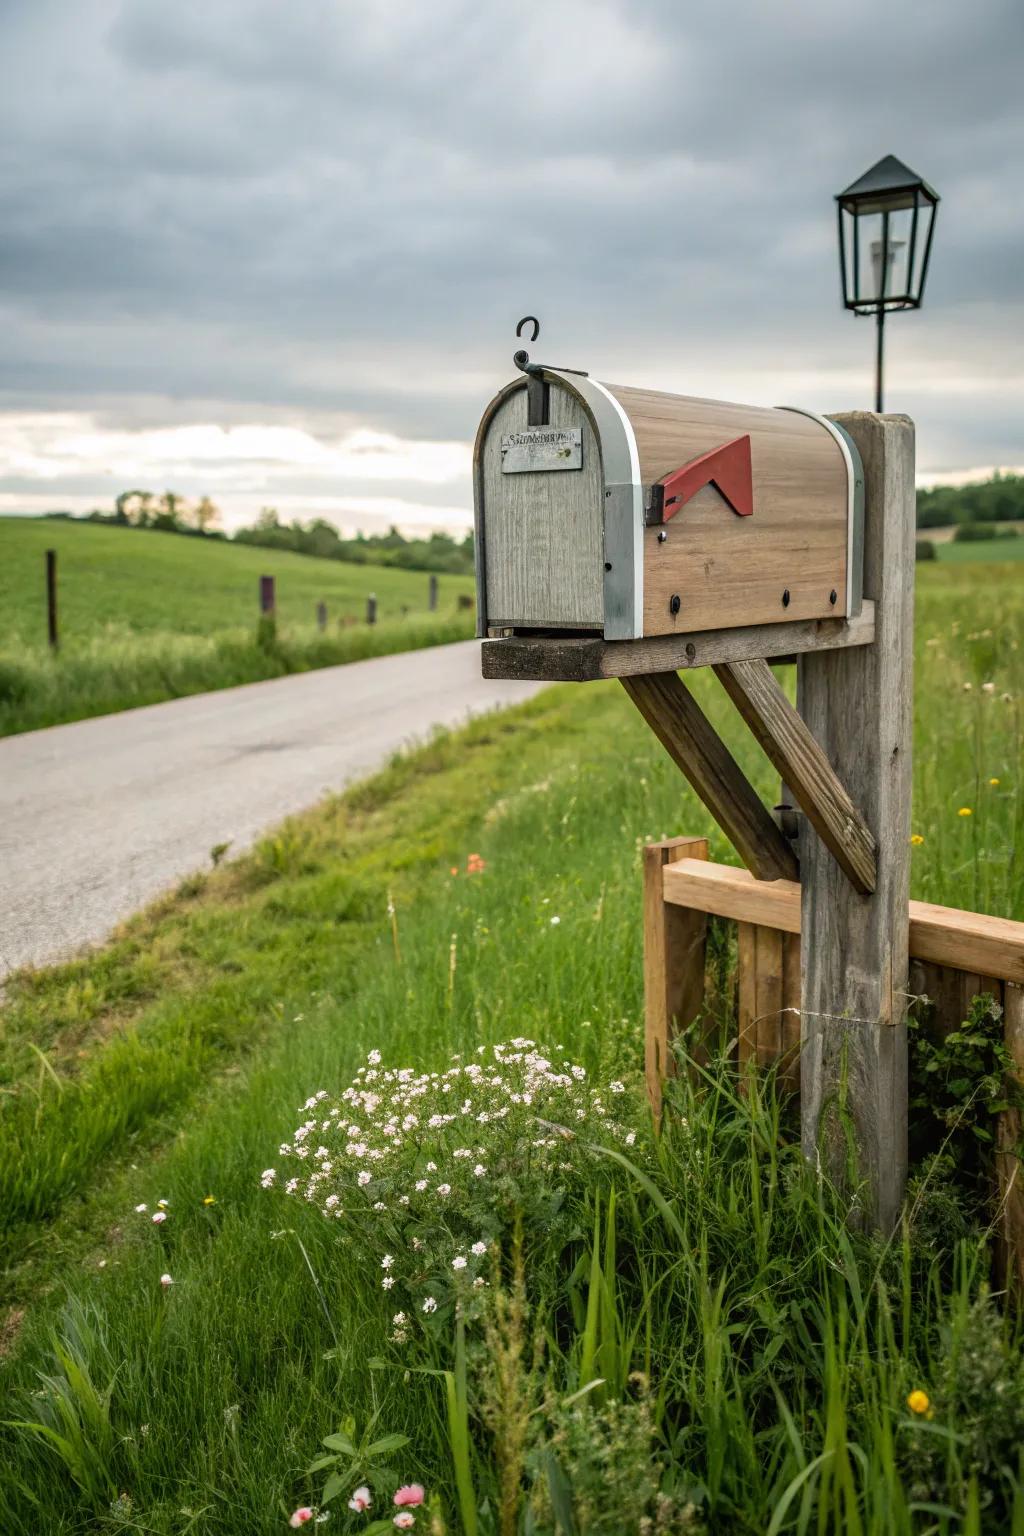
(99, 817)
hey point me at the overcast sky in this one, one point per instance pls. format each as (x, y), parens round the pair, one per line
(275, 252)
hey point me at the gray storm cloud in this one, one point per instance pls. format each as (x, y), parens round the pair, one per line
(331, 215)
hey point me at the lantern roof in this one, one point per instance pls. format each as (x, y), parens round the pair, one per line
(887, 176)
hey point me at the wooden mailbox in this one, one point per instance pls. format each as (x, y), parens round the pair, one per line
(629, 514)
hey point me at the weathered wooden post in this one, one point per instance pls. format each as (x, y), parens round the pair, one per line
(855, 946)
(51, 599)
(665, 533)
(321, 616)
(371, 608)
(268, 604)
(432, 594)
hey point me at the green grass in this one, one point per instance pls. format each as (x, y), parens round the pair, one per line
(779, 1347)
(147, 616)
(983, 552)
(139, 580)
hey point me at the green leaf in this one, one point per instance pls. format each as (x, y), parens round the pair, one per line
(333, 1486)
(790, 1493)
(321, 1463)
(340, 1443)
(388, 1443)
(560, 1491)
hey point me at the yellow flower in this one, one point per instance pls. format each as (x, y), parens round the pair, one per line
(209, 1200)
(918, 1401)
(964, 810)
(916, 839)
(994, 783)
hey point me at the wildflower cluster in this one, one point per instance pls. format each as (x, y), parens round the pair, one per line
(405, 1499)
(475, 865)
(425, 1171)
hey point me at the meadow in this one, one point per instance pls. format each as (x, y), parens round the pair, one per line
(674, 1333)
(988, 552)
(146, 616)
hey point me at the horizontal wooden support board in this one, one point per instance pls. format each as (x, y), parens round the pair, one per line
(548, 659)
(966, 941)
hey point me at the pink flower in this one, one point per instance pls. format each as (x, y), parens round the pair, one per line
(412, 1493)
(301, 1516)
(404, 1521)
(158, 1217)
(360, 1500)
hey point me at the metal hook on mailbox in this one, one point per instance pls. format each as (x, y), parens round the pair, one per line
(521, 358)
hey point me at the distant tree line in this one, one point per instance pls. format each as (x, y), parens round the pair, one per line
(171, 513)
(440, 552)
(999, 500)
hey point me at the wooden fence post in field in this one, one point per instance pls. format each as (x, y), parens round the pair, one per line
(855, 958)
(51, 598)
(371, 608)
(268, 602)
(432, 595)
(321, 616)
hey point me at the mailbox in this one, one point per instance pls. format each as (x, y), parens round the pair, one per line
(629, 513)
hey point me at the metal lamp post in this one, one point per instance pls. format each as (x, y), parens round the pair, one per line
(886, 222)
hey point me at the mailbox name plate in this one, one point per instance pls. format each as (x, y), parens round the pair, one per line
(541, 448)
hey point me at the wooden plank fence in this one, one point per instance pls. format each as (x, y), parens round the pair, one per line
(955, 956)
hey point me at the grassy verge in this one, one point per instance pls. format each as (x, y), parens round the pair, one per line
(982, 552)
(774, 1350)
(123, 670)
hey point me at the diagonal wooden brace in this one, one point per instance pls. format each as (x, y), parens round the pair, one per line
(789, 744)
(690, 739)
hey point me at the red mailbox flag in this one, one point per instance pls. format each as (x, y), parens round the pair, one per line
(726, 468)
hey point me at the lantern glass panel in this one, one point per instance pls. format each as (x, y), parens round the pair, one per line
(884, 250)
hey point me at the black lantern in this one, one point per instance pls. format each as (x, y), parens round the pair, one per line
(886, 221)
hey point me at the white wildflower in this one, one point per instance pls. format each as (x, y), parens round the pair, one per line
(429, 1304)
